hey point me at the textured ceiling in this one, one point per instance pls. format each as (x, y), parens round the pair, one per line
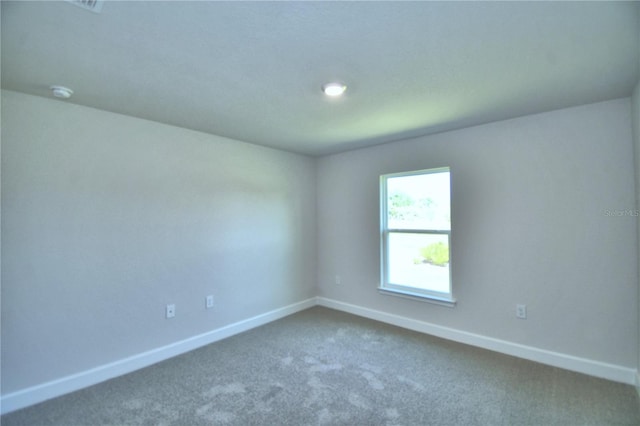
(253, 71)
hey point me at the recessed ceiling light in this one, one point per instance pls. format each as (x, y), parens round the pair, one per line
(334, 89)
(61, 92)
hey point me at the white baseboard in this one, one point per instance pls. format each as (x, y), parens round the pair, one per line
(64, 385)
(555, 359)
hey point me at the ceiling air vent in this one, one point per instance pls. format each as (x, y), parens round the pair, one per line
(92, 5)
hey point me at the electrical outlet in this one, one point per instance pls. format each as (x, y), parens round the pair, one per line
(209, 301)
(521, 311)
(338, 280)
(171, 311)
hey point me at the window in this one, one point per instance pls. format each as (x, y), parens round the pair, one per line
(416, 234)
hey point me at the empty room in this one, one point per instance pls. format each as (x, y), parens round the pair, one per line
(320, 213)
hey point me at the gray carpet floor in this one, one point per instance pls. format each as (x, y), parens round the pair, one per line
(323, 367)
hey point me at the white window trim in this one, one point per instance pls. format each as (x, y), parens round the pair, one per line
(442, 301)
(391, 289)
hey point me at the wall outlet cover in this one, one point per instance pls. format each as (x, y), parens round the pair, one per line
(171, 311)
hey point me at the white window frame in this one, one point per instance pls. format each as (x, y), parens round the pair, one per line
(397, 289)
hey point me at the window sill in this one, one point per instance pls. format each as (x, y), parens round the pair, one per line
(442, 301)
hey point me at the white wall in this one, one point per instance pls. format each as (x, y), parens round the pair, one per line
(107, 218)
(530, 225)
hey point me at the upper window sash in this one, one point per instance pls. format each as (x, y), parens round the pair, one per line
(409, 213)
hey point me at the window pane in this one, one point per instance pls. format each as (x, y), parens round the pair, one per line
(419, 202)
(419, 260)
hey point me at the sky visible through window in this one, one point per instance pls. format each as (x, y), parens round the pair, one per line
(419, 201)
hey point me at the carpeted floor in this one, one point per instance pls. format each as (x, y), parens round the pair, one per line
(323, 367)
